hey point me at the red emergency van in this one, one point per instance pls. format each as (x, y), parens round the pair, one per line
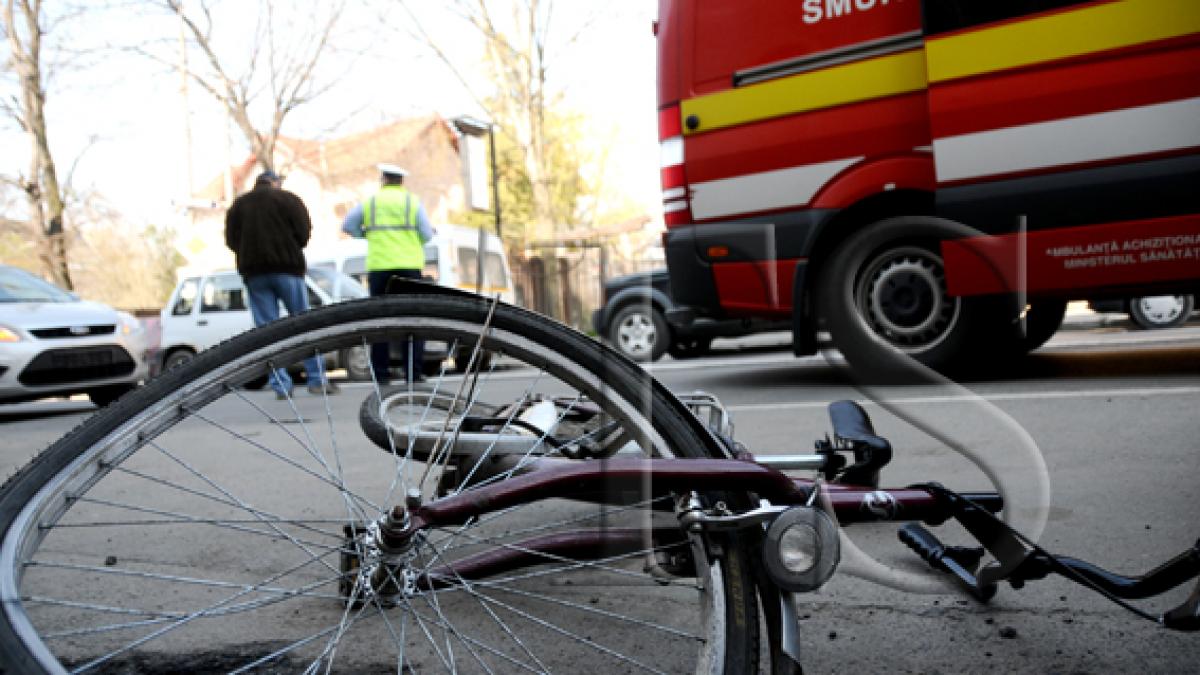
(938, 176)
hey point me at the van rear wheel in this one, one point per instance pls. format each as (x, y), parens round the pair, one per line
(1042, 320)
(884, 299)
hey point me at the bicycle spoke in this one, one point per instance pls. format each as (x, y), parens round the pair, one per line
(574, 520)
(240, 503)
(280, 652)
(204, 495)
(312, 453)
(591, 564)
(504, 429)
(491, 614)
(174, 578)
(188, 618)
(568, 634)
(181, 518)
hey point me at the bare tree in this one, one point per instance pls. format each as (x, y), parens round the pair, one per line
(516, 39)
(274, 75)
(516, 45)
(24, 28)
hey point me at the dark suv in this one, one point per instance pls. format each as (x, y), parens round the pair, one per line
(634, 319)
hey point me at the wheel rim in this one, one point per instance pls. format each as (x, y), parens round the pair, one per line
(1161, 309)
(358, 362)
(902, 296)
(636, 334)
(95, 581)
(177, 359)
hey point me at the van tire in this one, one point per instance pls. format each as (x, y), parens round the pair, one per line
(883, 298)
(1042, 321)
(356, 363)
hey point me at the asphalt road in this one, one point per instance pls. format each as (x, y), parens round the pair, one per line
(1111, 415)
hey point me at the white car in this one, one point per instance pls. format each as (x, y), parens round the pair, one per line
(208, 309)
(54, 344)
(1150, 312)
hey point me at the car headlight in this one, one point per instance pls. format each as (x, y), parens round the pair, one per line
(129, 324)
(9, 335)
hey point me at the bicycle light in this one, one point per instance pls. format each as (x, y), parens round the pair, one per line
(801, 550)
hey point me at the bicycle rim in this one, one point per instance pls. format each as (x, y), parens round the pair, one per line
(197, 525)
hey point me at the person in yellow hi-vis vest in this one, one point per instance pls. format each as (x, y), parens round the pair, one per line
(396, 228)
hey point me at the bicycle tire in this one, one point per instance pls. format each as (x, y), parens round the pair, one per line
(61, 534)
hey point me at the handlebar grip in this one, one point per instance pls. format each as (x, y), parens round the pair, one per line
(923, 543)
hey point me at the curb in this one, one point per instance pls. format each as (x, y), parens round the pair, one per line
(1090, 320)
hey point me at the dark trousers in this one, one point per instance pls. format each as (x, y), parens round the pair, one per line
(377, 283)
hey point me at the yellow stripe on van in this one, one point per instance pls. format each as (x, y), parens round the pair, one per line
(1114, 25)
(848, 83)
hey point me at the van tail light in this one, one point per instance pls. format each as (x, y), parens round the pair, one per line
(676, 209)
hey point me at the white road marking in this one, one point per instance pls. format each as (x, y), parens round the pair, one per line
(999, 396)
(1165, 338)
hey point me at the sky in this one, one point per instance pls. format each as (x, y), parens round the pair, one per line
(116, 121)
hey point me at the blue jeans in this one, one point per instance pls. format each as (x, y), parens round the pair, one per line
(266, 292)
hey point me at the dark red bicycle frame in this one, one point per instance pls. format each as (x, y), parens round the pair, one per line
(851, 504)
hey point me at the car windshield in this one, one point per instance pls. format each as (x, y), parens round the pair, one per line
(336, 285)
(20, 286)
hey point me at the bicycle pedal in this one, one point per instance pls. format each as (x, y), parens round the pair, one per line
(954, 560)
(967, 556)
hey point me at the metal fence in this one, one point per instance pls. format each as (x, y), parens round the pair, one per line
(567, 283)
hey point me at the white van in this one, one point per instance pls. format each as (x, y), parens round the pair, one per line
(451, 259)
(209, 308)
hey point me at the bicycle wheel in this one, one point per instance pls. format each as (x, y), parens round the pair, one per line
(196, 526)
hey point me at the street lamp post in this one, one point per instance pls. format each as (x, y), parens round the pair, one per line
(469, 126)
